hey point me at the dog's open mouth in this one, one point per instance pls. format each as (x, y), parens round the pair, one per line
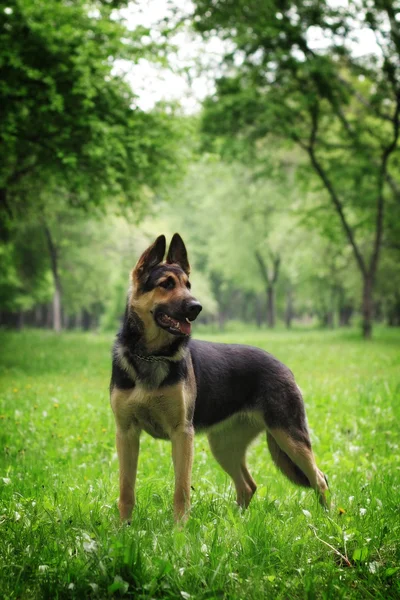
(174, 325)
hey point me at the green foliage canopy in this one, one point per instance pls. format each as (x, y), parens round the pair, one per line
(67, 114)
(294, 72)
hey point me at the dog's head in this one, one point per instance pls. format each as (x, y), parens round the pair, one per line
(161, 290)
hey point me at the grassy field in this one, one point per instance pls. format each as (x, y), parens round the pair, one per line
(60, 536)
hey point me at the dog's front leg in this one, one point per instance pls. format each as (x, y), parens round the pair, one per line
(182, 456)
(128, 454)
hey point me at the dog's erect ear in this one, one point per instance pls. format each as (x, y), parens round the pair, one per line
(177, 253)
(151, 257)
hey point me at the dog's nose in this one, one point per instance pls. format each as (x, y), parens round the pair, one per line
(193, 310)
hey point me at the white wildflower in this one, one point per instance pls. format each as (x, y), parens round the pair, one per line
(43, 568)
(90, 546)
(373, 566)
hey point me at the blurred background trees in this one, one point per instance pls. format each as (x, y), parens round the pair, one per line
(285, 185)
(293, 75)
(72, 137)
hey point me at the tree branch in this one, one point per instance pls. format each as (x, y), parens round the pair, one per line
(53, 253)
(381, 181)
(314, 124)
(393, 186)
(364, 101)
(263, 267)
(394, 26)
(276, 262)
(339, 208)
(342, 117)
(331, 190)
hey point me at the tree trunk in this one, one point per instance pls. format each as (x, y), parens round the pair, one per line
(21, 320)
(78, 320)
(345, 313)
(270, 277)
(57, 308)
(368, 272)
(221, 319)
(258, 312)
(48, 316)
(86, 320)
(345, 309)
(289, 308)
(393, 312)
(367, 307)
(37, 316)
(271, 306)
(4, 214)
(57, 323)
(327, 318)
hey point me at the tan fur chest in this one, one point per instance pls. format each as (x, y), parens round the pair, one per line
(158, 412)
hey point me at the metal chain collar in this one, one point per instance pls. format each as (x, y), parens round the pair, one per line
(151, 358)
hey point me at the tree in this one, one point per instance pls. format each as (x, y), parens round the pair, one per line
(25, 281)
(340, 108)
(72, 136)
(53, 255)
(66, 115)
(247, 223)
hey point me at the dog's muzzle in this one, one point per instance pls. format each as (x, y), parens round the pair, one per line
(178, 322)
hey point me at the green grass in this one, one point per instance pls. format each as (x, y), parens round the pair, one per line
(60, 536)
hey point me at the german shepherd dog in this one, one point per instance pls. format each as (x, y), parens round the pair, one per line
(172, 387)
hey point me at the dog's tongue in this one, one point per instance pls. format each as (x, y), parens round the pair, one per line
(185, 327)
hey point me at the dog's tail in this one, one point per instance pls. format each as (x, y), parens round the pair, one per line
(285, 464)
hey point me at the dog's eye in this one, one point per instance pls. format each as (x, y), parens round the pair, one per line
(168, 283)
(188, 285)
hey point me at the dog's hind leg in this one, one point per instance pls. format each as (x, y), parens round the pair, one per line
(228, 444)
(247, 477)
(293, 455)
